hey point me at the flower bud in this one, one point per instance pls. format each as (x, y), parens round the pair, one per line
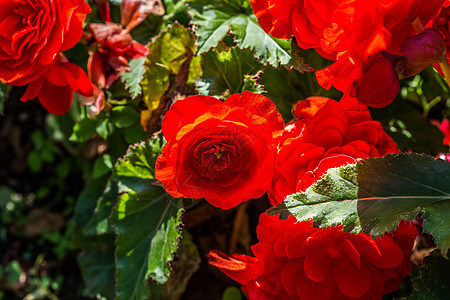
(419, 52)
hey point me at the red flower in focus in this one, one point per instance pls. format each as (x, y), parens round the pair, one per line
(33, 34)
(55, 88)
(221, 151)
(324, 138)
(294, 260)
(115, 45)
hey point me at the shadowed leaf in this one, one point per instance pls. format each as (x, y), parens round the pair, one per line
(375, 194)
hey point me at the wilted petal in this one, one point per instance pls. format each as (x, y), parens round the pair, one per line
(133, 12)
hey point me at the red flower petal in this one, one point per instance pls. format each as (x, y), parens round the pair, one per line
(56, 99)
(258, 105)
(185, 112)
(317, 265)
(238, 267)
(351, 281)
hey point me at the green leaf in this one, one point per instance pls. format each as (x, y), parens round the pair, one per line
(284, 88)
(167, 53)
(98, 223)
(146, 221)
(104, 128)
(132, 79)
(86, 210)
(124, 116)
(434, 279)
(187, 262)
(137, 167)
(87, 200)
(232, 293)
(34, 162)
(375, 194)
(146, 225)
(134, 134)
(226, 71)
(102, 165)
(176, 11)
(251, 84)
(13, 271)
(83, 130)
(98, 267)
(3, 95)
(214, 19)
(409, 128)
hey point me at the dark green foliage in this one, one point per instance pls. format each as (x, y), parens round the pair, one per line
(375, 194)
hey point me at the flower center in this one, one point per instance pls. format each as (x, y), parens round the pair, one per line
(218, 153)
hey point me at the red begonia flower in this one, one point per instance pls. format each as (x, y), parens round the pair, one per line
(294, 260)
(354, 33)
(221, 151)
(33, 34)
(310, 21)
(391, 27)
(55, 88)
(319, 139)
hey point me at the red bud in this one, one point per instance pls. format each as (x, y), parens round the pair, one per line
(419, 52)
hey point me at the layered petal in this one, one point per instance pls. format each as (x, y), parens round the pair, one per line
(317, 263)
(34, 32)
(221, 151)
(326, 134)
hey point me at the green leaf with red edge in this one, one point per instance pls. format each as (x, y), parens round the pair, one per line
(434, 279)
(375, 194)
(214, 19)
(146, 221)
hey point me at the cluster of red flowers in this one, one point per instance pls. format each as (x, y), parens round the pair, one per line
(230, 152)
(325, 134)
(33, 35)
(294, 260)
(371, 41)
